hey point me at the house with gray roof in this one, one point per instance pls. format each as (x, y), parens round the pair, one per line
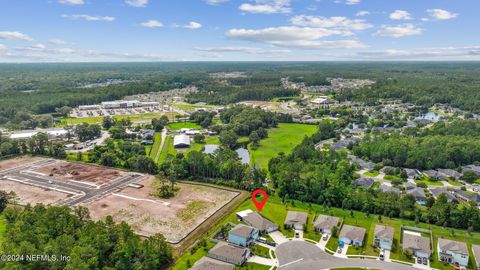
(364, 165)
(449, 173)
(229, 253)
(417, 244)
(259, 222)
(243, 235)
(465, 196)
(352, 235)
(476, 255)
(472, 168)
(206, 263)
(296, 220)
(418, 193)
(452, 252)
(409, 185)
(324, 224)
(365, 182)
(389, 189)
(383, 237)
(434, 175)
(436, 191)
(413, 173)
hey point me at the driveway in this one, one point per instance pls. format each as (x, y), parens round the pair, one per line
(278, 237)
(298, 255)
(262, 260)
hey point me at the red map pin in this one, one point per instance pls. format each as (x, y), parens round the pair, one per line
(259, 205)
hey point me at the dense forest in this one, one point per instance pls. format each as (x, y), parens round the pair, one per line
(86, 244)
(441, 146)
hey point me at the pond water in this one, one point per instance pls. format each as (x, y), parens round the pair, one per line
(431, 116)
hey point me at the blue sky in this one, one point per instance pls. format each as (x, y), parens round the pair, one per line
(232, 30)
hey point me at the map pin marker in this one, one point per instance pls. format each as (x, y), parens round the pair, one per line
(259, 205)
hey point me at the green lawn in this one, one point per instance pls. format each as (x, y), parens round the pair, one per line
(180, 125)
(429, 182)
(167, 149)
(391, 177)
(157, 141)
(261, 251)
(454, 183)
(253, 266)
(373, 173)
(188, 107)
(281, 139)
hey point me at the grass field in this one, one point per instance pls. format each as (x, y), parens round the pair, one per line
(373, 173)
(429, 182)
(157, 141)
(261, 251)
(2, 228)
(180, 125)
(252, 266)
(167, 149)
(281, 139)
(68, 121)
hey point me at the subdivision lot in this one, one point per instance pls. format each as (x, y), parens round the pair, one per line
(175, 218)
(27, 194)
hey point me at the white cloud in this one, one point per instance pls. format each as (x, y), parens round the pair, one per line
(56, 41)
(229, 49)
(88, 17)
(400, 15)
(193, 25)
(441, 14)
(362, 13)
(72, 2)
(332, 22)
(348, 2)
(137, 3)
(267, 6)
(438, 53)
(397, 31)
(215, 2)
(15, 35)
(293, 36)
(2, 47)
(152, 24)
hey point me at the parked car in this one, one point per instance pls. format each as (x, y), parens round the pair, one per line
(382, 254)
(419, 260)
(425, 262)
(297, 235)
(339, 250)
(325, 237)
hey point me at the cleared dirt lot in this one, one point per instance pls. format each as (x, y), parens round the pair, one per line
(174, 218)
(17, 162)
(81, 172)
(28, 194)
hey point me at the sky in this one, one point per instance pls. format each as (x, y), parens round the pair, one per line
(238, 30)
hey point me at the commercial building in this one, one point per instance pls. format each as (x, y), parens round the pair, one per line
(181, 141)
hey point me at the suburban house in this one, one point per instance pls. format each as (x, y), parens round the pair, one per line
(449, 173)
(296, 220)
(364, 165)
(476, 255)
(389, 189)
(243, 235)
(465, 196)
(324, 224)
(419, 245)
(472, 168)
(352, 235)
(257, 221)
(436, 191)
(409, 185)
(383, 237)
(365, 182)
(413, 173)
(452, 252)
(229, 253)
(206, 263)
(181, 141)
(418, 193)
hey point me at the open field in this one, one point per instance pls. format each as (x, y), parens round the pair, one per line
(174, 218)
(81, 172)
(180, 125)
(281, 139)
(27, 194)
(67, 121)
(157, 141)
(16, 162)
(167, 149)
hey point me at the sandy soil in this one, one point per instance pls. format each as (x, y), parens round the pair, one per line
(81, 172)
(16, 162)
(174, 217)
(27, 194)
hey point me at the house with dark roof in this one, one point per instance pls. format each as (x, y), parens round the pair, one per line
(413, 173)
(466, 196)
(417, 244)
(434, 175)
(383, 237)
(206, 263)
(243, 235)
(324, 224)
(365, 182)
(229, 253)
(389, 189)
(449, 173)
(472, 168)
(436, 191)
(296, 220)
(418, 193)
(364, 165)
(452, 252)
(352, 235)
(409, 185)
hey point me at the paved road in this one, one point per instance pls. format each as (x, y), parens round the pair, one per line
(299, 255)
(83, 192)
